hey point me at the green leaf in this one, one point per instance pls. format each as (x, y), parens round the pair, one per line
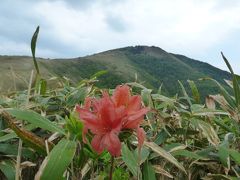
(120, 174)
(161, 137)
(224, 155)
(207, 112)
(207, 130)
(224, 92)
(185, 93)
(43, 86)
(137, 85)
(195, 91)
(205, 152)
(33, 48)
(148, 171)
(220, 123)
(143, 155)
(74, 126)
(58, 160)
(8, 136)
(98, 74)
(146, 97)
(36, 119)
(219, 176)
(12, 149)
(186, 153)
(159, 170)
(78, 96)
(12, 135)
(235, 155)
(235, 81)
(8, 169)
(130, 160)
(166, 155)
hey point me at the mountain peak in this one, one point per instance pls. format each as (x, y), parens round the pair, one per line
(138, 49)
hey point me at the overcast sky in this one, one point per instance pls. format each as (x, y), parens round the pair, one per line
(199, 29)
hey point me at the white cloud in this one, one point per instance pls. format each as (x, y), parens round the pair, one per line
(189, 27)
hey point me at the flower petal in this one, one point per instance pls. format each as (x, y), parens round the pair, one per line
(85, 114)
(138, 114)
(90, 121)
(121, 95)
(141, 136)
(97, 144)
(107, 112)
(134, 104)
(133, 120)
(112, 143)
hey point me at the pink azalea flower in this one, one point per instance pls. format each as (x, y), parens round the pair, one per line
(107, 116)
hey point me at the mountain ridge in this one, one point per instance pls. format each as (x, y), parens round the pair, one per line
(153, 66)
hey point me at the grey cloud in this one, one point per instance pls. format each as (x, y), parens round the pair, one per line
(17, 21)
(116, 23)
(85, 4)
(223, 4)
(17, 24)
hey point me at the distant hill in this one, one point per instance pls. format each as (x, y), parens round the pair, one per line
(152, 65)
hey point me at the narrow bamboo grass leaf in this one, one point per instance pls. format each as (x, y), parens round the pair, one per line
(224, 92)
(219, 176)
(235, 81)
(130, 160)
(206, 112)
(143, 155)
(148, 171)
(56, 163)
(159, 97)
(186, 153)
(229, 83)
(78, 96)
(195, 91)
(135, 84)
(8, 136)
(160, 89)
(235, 155)
(207, 130)
(238, 77)
(166, 155)
(35, 119)
(43, 86)
(12, 149)
(220, 123)
(224, 155)
(147, 98)
(210, 103)
(28, 137)
(98, 74)
(86, 168)
(161, 137)
(8, 169)
(159, 170)
(185, 93)
(33, 48)
(12, 135)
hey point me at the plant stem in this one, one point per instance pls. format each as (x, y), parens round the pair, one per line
(18, 165)
(139, 161)
(111, 168)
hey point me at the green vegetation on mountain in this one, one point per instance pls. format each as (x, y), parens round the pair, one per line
(150, 66)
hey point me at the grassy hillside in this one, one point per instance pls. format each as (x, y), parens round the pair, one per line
(151, 65)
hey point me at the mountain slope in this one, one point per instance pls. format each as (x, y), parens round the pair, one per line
(152, 66)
